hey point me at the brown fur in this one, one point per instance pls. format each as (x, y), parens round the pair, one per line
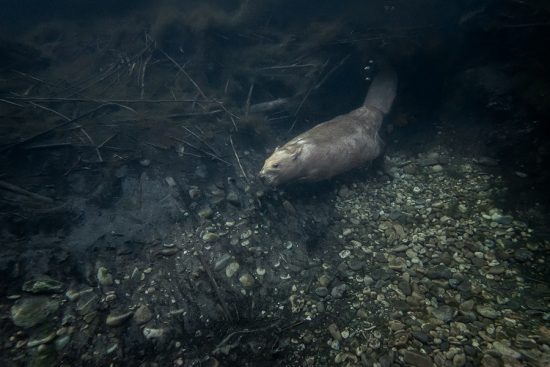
(338, 145)
(328, 149)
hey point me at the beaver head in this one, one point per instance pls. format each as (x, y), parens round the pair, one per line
(283, 165)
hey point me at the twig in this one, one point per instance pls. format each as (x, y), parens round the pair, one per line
(185, 73)
(47, 131)
(247, 106)
(52, 111)
(112, 101)
(9, 102)
(200, 139)
(107, 140)
(143, 74)
(10, 187)
(288, 67)
(215, 285)
(238, 160)
(201, 150)
(81, 129)
(331, 71)
(245, 331)
(93, 143)
(231, 115)
(292, 126)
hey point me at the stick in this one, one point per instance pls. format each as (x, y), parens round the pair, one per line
(93, 143)
(231, 115)
(143, 74)
(238, 160)
(216, 288)
(12, 103)
(200, 139)
(51, 110)
(247, 106)
(112, 101)
(10, 187)
(47, 131)
(201, 150)
(288, 67)
(185, 73)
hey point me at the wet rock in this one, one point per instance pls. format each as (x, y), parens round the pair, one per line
(459, 360)
(43, 284)
(421, 336)
(339, 290)
(489, 361)
(324, 280)
(194, 193)
(233, 198)
(437, 168)
(467, 305)
(487, 311)
(439, 272)
(61, 342)
(28, 312)
(523, 255)
(417, 359)
(104, 277)
(321, 291)
(118, 319)
(142, 315)
(210, 237)
(405, 287)
(86, 306)
(247, 280)
(232, 269)
(334, 332)
(505, 351)
(151, 333)
(206, 212)
(444, 313)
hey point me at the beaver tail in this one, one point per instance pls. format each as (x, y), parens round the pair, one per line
(382, 90)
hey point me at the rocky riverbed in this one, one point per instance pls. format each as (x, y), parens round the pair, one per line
(413, 266)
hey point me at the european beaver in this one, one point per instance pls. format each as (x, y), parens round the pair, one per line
(338, 145)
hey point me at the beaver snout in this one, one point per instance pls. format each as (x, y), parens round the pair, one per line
(266, 178)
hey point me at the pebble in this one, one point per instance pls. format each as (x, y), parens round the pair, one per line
(487, 311)
(417, 359)
(437, 168)
(142, 315)
(43, 284)
(210, 237)
(247, 280)
(444, 313)
(339, 290)
(321, 291)
(118, 319)
(28, 312)
(232, 269)
(334, 332)
(104, 277)
(206, 212)
(506, 351)
(151, 333)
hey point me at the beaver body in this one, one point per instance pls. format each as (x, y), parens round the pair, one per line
(335, 146)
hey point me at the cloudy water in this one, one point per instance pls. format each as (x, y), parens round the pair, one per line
(274, 183)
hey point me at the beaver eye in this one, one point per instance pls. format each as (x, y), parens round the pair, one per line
(275, 165)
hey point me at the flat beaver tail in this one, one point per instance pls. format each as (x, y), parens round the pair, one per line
(382, 90)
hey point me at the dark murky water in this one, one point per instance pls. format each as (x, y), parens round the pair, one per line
(135, 230)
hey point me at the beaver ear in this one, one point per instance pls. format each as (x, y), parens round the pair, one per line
(296, 153)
